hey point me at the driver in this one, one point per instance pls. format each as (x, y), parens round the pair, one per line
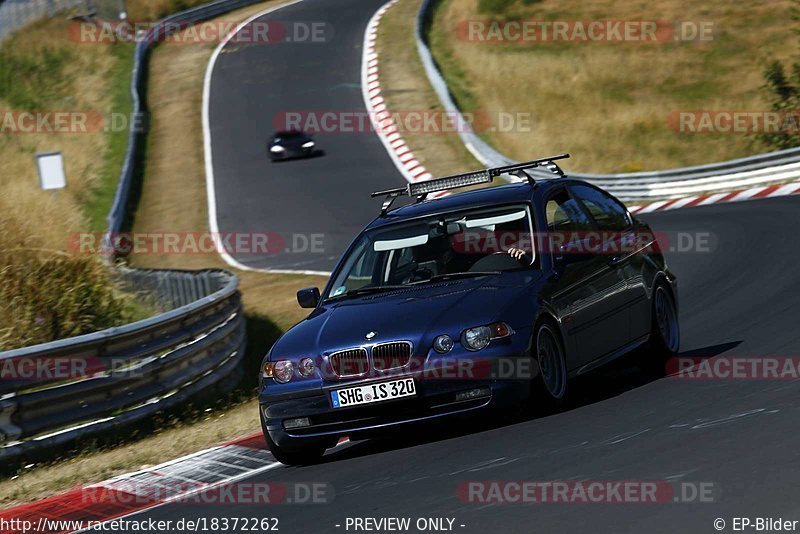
(517, 253)
(516, 236)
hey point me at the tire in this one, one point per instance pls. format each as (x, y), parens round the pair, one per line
(665, 334)
(550, 388)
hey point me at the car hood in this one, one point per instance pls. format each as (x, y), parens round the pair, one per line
(417, 314)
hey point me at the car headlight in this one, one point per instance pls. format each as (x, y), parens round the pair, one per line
(281, 371)
(478, 338)
(308, 144)
(443, 344)
(275, 149)
(307, 367)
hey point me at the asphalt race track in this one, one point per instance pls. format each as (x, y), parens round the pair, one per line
(737, 298)
(252, 85)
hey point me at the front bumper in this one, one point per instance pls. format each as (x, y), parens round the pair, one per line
(292, 153)
(436, 397)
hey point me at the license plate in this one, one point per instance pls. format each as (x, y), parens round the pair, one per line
(381, 391)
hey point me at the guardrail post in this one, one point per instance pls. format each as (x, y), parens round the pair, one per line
(8, 430)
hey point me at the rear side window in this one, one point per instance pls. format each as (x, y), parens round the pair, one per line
(565, 215)
(608, 213)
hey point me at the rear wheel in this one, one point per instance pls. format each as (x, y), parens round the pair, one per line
(551, 385)
(665, 335)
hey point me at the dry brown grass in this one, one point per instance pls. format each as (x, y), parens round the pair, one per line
(151, 10)
(74, 80)
(608, 103)
(46, 296)
(47, 292)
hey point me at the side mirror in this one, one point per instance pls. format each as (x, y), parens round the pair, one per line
(308, 297)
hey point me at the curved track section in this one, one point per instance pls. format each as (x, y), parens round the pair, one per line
(312, 207)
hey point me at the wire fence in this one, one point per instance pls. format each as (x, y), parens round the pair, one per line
(14, 14)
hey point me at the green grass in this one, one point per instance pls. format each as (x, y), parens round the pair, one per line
(101, 196)
(32, 81)
(458, 80)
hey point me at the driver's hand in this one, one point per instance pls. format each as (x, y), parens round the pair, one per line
(516, 253)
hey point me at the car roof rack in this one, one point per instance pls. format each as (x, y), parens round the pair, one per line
(420, 190)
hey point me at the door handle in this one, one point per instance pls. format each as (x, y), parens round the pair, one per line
(616, 260)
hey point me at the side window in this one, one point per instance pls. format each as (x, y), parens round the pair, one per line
(565, 215)
(607, 212)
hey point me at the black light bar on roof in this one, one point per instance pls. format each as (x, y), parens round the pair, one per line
(449, 182)
(422, 189)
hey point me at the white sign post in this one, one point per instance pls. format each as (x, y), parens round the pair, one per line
(51, 170)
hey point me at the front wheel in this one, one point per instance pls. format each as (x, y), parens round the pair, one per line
(551, 385)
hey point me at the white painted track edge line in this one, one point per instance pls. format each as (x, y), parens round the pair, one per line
(369, 102)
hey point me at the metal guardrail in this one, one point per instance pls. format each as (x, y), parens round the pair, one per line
(99, 381)
(55, 392)
(762, 169)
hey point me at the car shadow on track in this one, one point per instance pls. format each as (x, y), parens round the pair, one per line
(315, 154)
(626, 375)
(613, 380)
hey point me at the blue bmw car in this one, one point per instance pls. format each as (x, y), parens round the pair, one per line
(491, 298)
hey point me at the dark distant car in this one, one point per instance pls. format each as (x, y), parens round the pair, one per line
(494, 297)
(294, 144)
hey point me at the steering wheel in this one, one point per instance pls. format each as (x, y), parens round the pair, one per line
(423, 273)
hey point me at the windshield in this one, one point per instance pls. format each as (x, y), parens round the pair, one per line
(288, 136)
(464, 243)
